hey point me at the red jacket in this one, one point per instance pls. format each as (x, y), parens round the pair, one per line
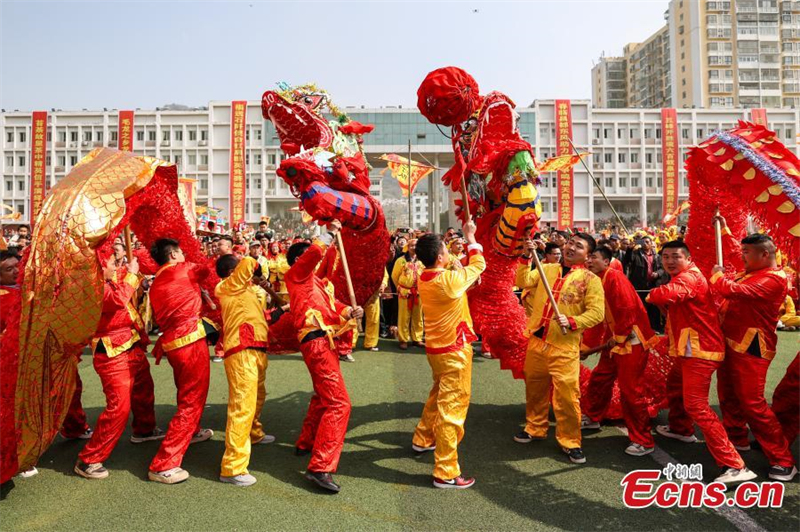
(625, 315)
(120, 326)
(313, 308)
(751, 309)
(692, 319)
(9, 301)
(175, 298)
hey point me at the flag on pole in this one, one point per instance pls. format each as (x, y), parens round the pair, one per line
(399, 166)
(561, 162)
(671, 218)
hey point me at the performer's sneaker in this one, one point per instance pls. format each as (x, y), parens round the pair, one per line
(734, 476)
(742, 448)
(323, 480)
(28, 473)
(268, 438)
(85, 435)
(239, 480)
(170, 476)
(202, 435)
(784, 474)
(216, 358)
(156, 434)
(523, 437)
(420, 449)
(91, 471)
(637, 449)
(299, 451)
(667, 433)
(374, 348)
(346, 358)
(487, 354)
(575, 454)
(403, 346)
(458, 483)
(588, 424)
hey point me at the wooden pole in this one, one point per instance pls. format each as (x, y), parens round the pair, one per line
(128, 244)
(718, 238)
(600, 188)
(465, 198)
(347, 277)
(547, 289)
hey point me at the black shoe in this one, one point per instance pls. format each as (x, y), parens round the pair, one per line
(781, 473)
(299, 451)
(524, 437)
(576, 455)
(323, 480)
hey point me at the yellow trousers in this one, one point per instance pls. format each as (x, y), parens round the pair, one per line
(372, 316)
(545, 364)
(409, 322)
(790, 320)
(442, 421)
(246, 371)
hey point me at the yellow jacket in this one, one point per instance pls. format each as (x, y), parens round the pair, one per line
(405, 276)
(443, 294)
(243, 304)
(579, 296)
(278, 267)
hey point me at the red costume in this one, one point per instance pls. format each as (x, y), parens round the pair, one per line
(176, 301)
(119, 359)
(785, 401)
(626, 320)
(695, 338)
(319, 318)
(750, 314)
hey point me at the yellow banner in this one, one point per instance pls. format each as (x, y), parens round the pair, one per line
(400, 166)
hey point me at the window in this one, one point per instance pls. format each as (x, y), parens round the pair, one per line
(257, 158)
(623, 182)
(699, 133)
(271, 159)
(619, 133)
(596, 133)
(62, 160)
(246, 158)
(649, 182)
(257, 182)
(204, 184)
(606, 133)
(257, 207)
(73, 160)
(247, 135)
(62, 136)
(609, 182)
(21, 160)
(192, 134)
(634, 182)
(685, 133)
(22, 136)
(21, 185)
(98, 136)
(165, 135)
(634, 157)
(151, 136)
(192, 159)
(9, 161)
(9, 185)
(634, 133)
(140, 136)
(87, 136)
(73, 136)
(258, 136)
(113, 136)
(203, 134)
(10, 136)
(621, 157)
(648, 158)
(21, 209)
(608, 157)
(204, 159)
(178, 160)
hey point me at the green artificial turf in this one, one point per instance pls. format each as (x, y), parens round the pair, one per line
(384, 486)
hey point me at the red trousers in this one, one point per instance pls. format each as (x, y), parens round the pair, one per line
(191, 367)
(75, 423)
(329, 411)
(786, 399)
(628, 370)
(128, 386)
(740, 383)
(688, 384)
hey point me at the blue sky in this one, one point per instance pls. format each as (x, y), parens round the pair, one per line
(74, 55)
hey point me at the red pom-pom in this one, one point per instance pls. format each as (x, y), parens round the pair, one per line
(356, 128)
(448, 96)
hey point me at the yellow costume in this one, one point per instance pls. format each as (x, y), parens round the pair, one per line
(789, 316)
(245, 345)
(405, 275)
(448, 333)
(553, 356)
(278, 266)
(372, 315)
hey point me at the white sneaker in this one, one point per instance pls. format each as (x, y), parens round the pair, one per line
(28, 473)
(239, 480)
(637, 449)
(347, 358)
(202, 435)
(664, 431)
(420, 449)
(170, 476)
(157, 434)
(265, 440)
(734, 476)
(588, 424)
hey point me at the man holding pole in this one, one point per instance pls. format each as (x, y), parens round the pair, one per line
(319, 318)
(558, 318)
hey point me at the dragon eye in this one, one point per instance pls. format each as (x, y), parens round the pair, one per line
(308, 100)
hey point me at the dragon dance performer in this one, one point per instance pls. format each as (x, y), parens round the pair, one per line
(118, 349)
(243, 304)
(372, 316)
(623, 358)
(696, 339)
(749, 318)
(405, 275)
(449, 333)
(553, 356)
(319, 318)
(175, 297)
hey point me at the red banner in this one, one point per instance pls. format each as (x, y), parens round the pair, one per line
(237, 177)
(669, 158)
(759, 116)
(187, 198)
(566, 189)
(38, 165)
(125, 131)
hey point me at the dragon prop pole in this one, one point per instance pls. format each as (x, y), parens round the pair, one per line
(597, 184)
(718, 237)
(353, 302)
(465, 199)
(128, 245)
(548, 290)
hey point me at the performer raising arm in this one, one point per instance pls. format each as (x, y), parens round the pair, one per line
(448, 333)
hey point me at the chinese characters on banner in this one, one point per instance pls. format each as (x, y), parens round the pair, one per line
(670, 157)
(565, 205)
(38, 158)
(759, 116)
(186, 196)
(237, 177)
(125, 131)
